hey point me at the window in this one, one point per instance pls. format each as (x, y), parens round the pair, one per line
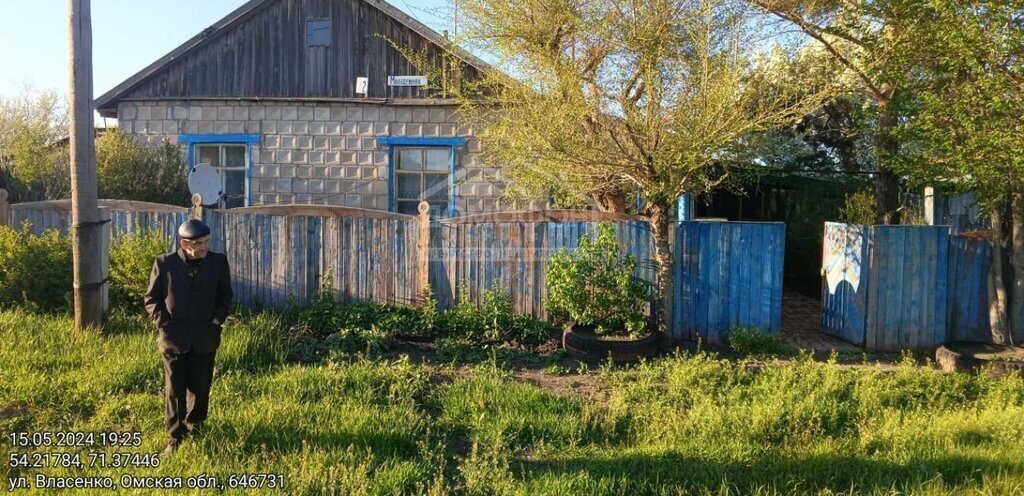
(318, 32)
(422, 174)
(229, 160)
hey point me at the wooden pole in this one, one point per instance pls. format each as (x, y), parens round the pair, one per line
(423, 248)
(5, 211)
(85, 219)
(197, 206)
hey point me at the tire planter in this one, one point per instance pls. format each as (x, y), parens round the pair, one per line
(974, 358)
(581, 343)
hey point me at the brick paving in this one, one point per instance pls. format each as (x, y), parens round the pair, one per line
(801, 325)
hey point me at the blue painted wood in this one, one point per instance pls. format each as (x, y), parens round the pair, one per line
(969, 262)
(714, 292)
(845, 285)
(414, 141)
(901, 296)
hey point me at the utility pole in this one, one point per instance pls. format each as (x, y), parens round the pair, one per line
(85, 216)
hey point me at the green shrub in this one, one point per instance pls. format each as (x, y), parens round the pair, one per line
(131, 259)
(129, 170)
(35, 271)
(757, 342)
(859, 208)
(493, 320)
(595, 286)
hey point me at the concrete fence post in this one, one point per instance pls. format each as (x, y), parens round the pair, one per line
(423, 249)
(5, 210)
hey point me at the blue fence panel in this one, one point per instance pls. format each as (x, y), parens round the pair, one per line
(727, 275)
(844, 288)
(885, 287)
(969, 261)
(908, 280)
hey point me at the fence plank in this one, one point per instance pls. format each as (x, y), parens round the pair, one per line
(721, 267)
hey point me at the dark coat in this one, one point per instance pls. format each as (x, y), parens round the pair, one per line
(184, 310)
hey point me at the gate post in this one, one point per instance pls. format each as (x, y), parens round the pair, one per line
(423, 250)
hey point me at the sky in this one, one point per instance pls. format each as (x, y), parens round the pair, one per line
(127, 35)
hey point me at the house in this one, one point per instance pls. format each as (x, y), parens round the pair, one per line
(268, 96)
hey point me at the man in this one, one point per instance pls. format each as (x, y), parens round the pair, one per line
(188, 297)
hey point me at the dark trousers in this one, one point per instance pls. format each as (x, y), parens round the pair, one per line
(187, 379)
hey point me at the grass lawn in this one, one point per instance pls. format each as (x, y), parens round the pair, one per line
(689, 424)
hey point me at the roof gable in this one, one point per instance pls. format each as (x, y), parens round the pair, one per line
(259, 50)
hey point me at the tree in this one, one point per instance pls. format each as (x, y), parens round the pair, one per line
(33, 146)
(655, 96)
(128, 170)
(864, 35)
(967, 117)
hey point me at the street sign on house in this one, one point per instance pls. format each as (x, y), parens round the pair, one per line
(407, 80)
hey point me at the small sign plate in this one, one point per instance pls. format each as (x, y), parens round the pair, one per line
(407, 80)
(362, 85)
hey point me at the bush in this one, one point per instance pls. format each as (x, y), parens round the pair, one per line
(131, 259)
(757, 342)
(595, 286)
(859, 208)
(493, 320)
(35, 271)
(128, 170)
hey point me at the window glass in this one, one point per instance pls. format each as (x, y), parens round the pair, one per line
(438, 159)
(230, 162)
(408, 207)
(408, 185)
(234, 188)
(234, 156)
(422, 173)
(410, 158)
(435, 187)
(209, 155)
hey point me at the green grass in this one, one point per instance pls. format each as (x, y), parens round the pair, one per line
(688, 424)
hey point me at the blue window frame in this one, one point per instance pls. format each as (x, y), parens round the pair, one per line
(402, 200)
(197, 144)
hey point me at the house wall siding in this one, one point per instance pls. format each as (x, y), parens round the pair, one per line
(321, 153)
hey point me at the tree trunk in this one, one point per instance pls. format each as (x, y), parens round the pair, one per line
(661, 220)
(996, 287)
(610, 200)
(1014, 333)
(887, 185)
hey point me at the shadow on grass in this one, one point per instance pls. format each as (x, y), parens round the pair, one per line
(289, 439)
(670, 472)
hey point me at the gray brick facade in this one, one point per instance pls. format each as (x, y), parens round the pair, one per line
(320, 153)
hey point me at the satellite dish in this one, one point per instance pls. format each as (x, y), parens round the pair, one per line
(205, 180)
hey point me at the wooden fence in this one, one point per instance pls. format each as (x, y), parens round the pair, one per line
(969, 261)
(125, 216)
(510, 251)
(732, 274)
(885, 287)
(727, 275)
(282, 254)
